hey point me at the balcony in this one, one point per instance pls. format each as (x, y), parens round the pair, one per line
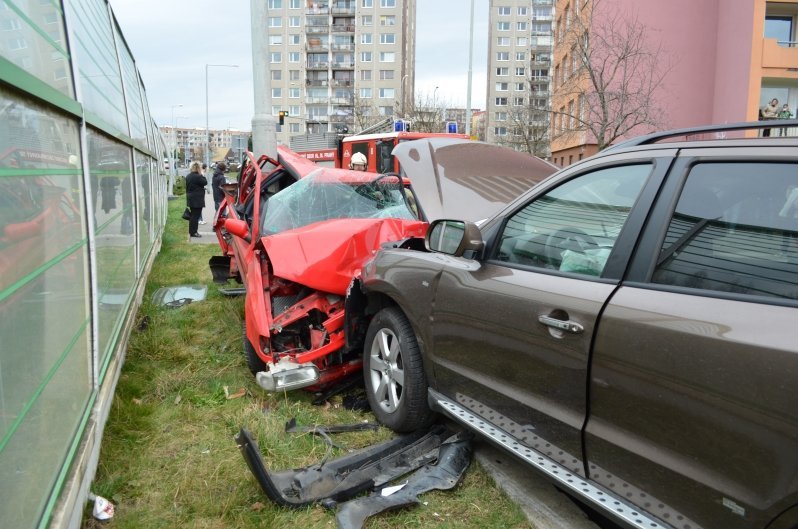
(780, 55)
(342, 101)
(343, 28)
(316, 82)
(318, 10)
(343, 47)
(344, 65)
(317, 46)
(342, 82)
(542, 18)
(317, 119)
(317, 29)
(336, 10)
(317, 65)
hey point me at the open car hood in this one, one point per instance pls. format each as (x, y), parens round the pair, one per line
(467, 180)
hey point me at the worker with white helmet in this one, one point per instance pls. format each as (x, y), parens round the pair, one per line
(358, 162)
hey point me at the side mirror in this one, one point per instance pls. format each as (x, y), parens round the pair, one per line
(454, 237)
(237, 227)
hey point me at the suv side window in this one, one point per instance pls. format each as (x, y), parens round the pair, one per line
(573, 227)
(734, 229)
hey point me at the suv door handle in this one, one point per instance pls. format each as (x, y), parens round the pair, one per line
(567, 326)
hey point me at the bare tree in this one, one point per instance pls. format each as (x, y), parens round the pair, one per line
(364, 113)
(608, 83)
(527, 124)
(426, 115)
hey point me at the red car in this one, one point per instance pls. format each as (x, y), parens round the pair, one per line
(296, 234)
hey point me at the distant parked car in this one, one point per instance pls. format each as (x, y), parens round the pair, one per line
(627, 327)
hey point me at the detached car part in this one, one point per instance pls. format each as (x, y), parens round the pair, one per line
(343, 478)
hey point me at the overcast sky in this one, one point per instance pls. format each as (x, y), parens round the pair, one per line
(173, 40)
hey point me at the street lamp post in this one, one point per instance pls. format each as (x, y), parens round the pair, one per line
(172, 149)
(435, 104)
(207, 128)
(402, 90)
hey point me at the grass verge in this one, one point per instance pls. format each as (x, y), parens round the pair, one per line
(168, 457)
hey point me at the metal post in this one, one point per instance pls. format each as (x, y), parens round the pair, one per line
(172, 149)
(470, 62)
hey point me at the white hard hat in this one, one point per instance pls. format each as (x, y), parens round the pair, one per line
(359, 159)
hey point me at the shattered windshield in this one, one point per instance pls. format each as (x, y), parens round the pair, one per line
(321, 196)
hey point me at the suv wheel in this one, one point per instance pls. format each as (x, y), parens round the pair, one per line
(253, 360)
(394, 373)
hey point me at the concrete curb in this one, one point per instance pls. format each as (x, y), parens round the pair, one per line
(545, 507)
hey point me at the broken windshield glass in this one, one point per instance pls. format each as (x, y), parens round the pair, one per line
(321, 196)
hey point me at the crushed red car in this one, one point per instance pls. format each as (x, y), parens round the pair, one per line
(297, 234)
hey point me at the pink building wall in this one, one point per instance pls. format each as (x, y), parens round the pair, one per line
(708, 45)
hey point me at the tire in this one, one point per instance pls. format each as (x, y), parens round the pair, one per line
(253, 360)
(396, 385)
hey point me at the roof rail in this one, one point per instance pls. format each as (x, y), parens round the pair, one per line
(744, 125)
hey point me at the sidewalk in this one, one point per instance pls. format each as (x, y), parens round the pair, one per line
(206, 230)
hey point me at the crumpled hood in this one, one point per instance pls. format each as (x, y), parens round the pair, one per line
(326, 255)
(467, 180)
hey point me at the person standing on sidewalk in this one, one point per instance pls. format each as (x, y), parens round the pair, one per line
(217, 182)
(204, 170)
(195, 197)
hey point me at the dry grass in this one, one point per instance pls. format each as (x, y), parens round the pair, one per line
(168, 457)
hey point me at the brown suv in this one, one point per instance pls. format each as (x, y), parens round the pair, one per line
(628, 327)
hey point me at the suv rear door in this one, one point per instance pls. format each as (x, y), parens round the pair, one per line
(693, 379)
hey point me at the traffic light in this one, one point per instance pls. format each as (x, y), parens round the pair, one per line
(283, 114)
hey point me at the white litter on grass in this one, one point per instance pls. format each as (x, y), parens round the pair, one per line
(387, 491)
(103, 509)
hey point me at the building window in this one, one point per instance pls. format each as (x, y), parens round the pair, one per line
(386, 75)
(503, 26)
(520, 70)
(387, 93)
(386, 111)
(275, 4)
(365, 56)
(503, 41)
(277, 75)
(275, 40)
(293, 75)
(365, 38)
(294, 4)
(500, 131)
(294, 22)
(504, 11)
(518, 101)
(387, 38)
(276, 110)
(387, 3)
(293, 56)
(502, 71)
(366, 20)
(293, 110)
(519, 87)
(521, 26)
(293, 93)
(520, 56)
(295, 127)
(293, 39)
(275, 22)
(365, 75)
(501, 116)
(276, 57)
(388, 20)
(522, 11)
(501, 101)
(501, 87)
(521, 41)
(277, 93)
(387, 56)
(503, 56)
(365, 93)
(367, 3)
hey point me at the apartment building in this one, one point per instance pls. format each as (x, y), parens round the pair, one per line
(190, 142)
(720, 64)
(339, 65)
(519, 61)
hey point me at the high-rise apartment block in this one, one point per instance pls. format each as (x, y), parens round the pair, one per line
(339, 65)
(519, 61)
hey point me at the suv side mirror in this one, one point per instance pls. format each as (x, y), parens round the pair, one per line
(454, 237)
(238, 228)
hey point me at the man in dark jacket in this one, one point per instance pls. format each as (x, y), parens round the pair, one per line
(195, 197)
(216, 184)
